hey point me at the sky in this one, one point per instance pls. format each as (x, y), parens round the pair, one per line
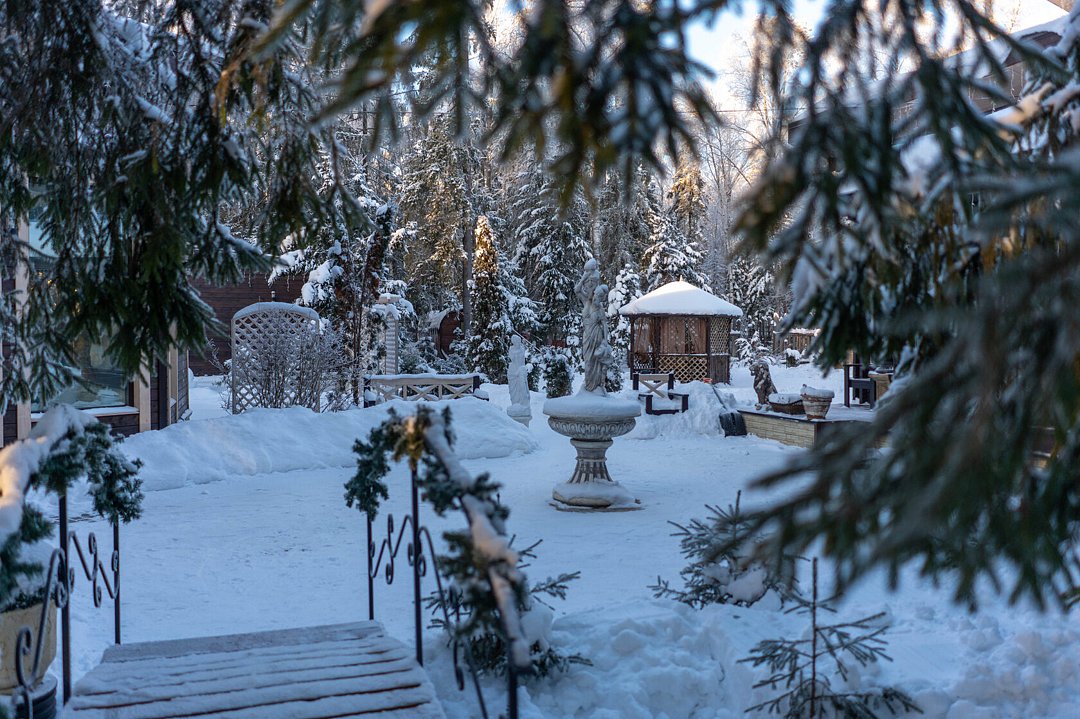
(720, 45)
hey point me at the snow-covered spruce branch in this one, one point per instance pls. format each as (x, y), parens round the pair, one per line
(64, 445)
(723, 568)
(481, 564)
(805, 669)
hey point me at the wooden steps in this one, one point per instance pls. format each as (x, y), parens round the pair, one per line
(330, 672)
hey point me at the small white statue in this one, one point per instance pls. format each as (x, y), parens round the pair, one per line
(517, 375)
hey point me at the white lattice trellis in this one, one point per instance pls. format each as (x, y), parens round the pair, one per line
(269, 342)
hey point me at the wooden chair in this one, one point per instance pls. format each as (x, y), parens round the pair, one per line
(858, 385)
(659, 385)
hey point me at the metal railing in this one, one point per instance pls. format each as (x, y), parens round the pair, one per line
(60, 583)
(420, 550)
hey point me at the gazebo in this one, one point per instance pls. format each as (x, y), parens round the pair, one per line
(682, 329)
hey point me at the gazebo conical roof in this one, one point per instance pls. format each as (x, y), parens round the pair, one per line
(680, 298)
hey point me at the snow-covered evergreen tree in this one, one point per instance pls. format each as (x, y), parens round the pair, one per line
(623, 220)
(488, 345)
(627, 288)
(751, 289)
(344, 265)
(671, 256)
(437, 208)
(687, 195)
(552, 246)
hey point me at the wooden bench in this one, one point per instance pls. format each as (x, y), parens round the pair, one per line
(417, 387)
(344, 670)
(661, 386)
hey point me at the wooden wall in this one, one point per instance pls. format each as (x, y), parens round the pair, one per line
(226, 300)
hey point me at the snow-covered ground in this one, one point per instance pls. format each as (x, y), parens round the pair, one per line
(252, 533)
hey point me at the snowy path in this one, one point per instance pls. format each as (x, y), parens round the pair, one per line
(342, 671)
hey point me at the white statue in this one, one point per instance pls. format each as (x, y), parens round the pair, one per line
(595, 348)
(518, 378)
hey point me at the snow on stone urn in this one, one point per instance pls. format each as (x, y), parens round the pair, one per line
(591, 418)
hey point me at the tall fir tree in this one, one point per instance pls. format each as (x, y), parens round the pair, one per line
(436, 206)
(623, 220)
(751, 288)
(551, 248)
(671, 256)
(488, 344)
(687, 195)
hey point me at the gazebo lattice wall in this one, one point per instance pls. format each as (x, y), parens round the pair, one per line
(692, 347)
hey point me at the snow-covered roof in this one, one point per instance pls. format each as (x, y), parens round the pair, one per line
(680, 298)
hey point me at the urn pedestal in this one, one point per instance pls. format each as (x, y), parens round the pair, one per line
(591, 421)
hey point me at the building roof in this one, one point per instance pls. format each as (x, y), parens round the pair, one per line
(680, 298)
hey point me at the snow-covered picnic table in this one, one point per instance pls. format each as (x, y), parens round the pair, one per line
(344, 670)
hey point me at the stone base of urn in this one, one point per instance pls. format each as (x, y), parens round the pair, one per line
(590, 422)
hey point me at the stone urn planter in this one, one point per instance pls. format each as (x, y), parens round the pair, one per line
(786, 403)
(882, 380)
(816, 402)
(591, 421)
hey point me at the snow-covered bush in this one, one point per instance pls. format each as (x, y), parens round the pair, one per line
(501, 619)
(63, 446)
(558, 374)
(792, 357)
(300, 370)
(717, 575)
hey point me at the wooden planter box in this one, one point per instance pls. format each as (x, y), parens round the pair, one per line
(10, 624)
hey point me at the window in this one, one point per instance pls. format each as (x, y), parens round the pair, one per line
(101, 383)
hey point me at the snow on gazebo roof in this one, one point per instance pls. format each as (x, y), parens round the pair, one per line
(680, 298)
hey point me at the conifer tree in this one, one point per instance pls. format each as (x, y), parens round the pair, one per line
(437, 208)
(671, 256)
(552, 246)
(750, 288)
(488, 345)
(623, 219)
(687, 195)
(627, 288)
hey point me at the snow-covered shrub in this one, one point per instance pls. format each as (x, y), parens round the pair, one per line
(305, 370)
(791, 357)
(411, 359)
(748, 350)
(813, 673)
(488, 648)
(719, 576)
(558, 375)
(63, 446)
(496, 625)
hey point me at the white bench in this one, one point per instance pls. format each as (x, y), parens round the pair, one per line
(416, 387)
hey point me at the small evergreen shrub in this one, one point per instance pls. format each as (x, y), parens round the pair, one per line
(804, 670)
(717, 575)
(557, 372)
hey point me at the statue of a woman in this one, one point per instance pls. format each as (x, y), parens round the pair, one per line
(595, 350)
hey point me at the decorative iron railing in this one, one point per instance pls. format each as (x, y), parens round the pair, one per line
(60, 583)
(420, 551)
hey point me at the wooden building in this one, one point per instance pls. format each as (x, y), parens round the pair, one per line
(127, 405)
(682, 329)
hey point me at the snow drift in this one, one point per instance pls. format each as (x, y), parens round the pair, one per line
(284, 440)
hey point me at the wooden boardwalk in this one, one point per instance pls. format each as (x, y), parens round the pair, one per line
(332, 672)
